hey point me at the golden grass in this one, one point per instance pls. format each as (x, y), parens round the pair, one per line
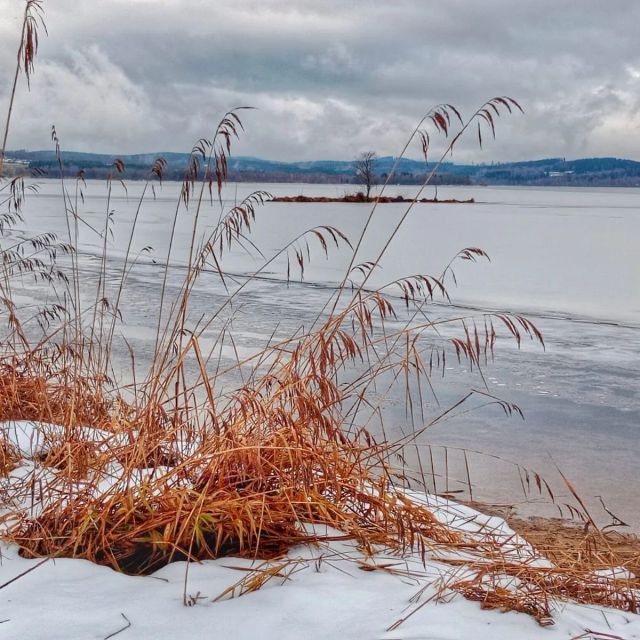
(240, 481)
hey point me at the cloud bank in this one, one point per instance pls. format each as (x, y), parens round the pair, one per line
(328, 79)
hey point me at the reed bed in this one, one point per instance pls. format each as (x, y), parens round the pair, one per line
(171, 468)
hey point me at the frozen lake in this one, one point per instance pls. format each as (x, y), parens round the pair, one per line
(567, 258)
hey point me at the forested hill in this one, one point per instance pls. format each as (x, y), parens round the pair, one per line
(550, 171)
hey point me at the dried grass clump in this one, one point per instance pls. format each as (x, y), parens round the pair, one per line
(535, 590)
(244, 481)
(30, 389)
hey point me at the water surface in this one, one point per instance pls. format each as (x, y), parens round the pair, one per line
(568, 258)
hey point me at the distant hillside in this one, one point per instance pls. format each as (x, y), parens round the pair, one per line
(549, 171)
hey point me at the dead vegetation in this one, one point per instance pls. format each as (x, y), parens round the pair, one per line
(171, 468)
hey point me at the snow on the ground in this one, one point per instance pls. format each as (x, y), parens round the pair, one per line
(32, 438)
(322, 592)
(326, 596)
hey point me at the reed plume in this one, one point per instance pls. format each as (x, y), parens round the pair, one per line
(32, 21)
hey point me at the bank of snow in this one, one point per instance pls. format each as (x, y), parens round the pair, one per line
(328, 591)
(325, 592)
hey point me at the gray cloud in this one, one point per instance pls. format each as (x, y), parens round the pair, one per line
(328, 78)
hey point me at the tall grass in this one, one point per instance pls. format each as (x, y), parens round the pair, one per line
(178, 465)
(32, 20)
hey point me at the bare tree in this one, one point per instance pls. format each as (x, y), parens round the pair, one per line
(364, 170)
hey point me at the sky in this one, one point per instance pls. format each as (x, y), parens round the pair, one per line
(328, 78)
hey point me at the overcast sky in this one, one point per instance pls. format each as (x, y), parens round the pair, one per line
(329, 78)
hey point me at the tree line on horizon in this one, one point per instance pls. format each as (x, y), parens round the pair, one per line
(545, 172)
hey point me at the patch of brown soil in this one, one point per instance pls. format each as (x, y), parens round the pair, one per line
(571, 545)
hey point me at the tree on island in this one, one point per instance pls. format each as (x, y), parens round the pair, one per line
(364, 170)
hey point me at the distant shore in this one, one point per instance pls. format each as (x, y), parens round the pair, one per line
(546, 172)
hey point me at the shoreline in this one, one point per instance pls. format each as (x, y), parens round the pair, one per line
(570, 544)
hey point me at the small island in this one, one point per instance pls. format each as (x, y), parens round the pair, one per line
(362, 198)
